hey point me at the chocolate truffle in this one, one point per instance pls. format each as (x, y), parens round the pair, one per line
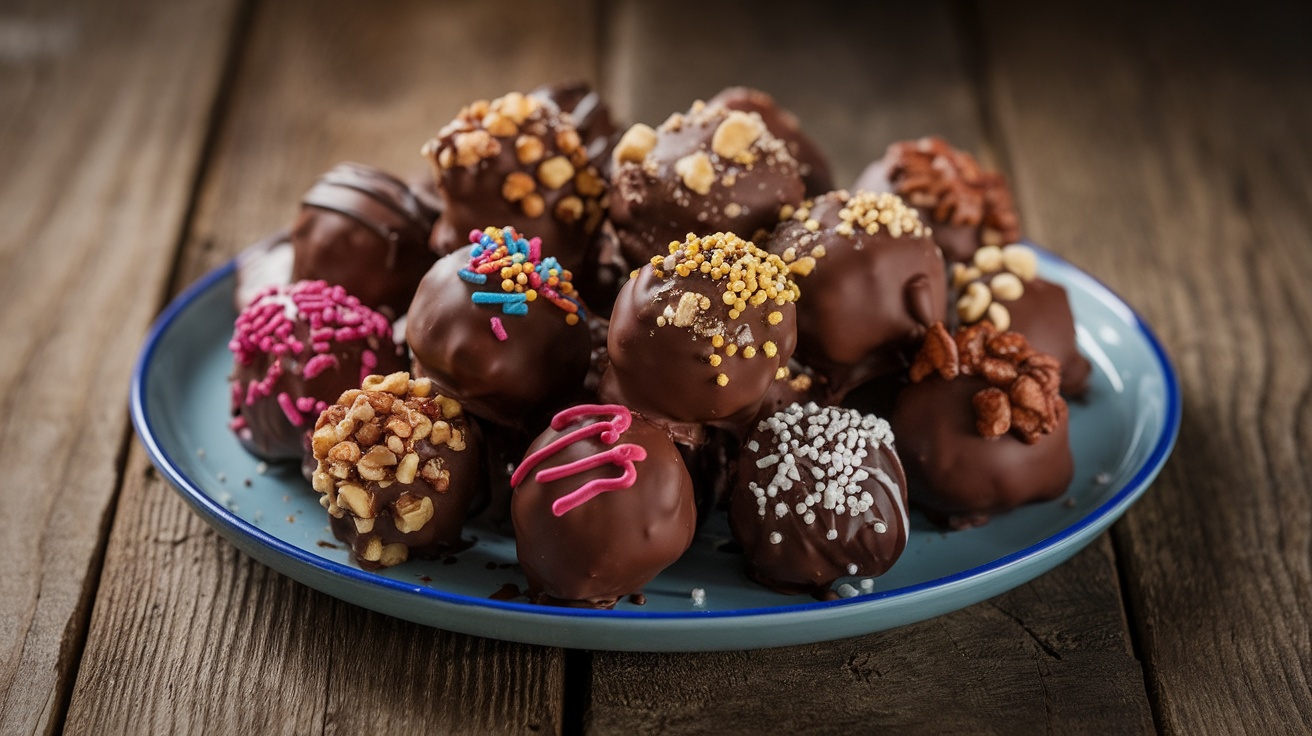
(982, 428)
(820, 494)
(700, 334)
(266, 263)
(602, 503)
(1002, 286)
(365, 230)
(297, 348)
(710, 170)
(498, 326)
(517, 160)
(873, 279)
(783, 124)
(590, 114)
(397, 464)
(966, 206)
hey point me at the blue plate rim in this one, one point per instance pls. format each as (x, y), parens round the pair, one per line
(1107, 512)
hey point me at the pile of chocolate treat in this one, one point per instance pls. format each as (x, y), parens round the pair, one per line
(601, 336)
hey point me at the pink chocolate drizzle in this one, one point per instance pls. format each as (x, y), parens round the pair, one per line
(609, 431)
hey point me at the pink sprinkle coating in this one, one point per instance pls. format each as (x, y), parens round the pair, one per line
(267, 329)
(499, 329)
(609, 431)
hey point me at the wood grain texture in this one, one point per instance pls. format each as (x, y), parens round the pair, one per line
(1051, 656)
(187, 634)
(103, 117)
(1169, 155)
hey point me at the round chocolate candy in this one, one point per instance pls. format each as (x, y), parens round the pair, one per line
(518, 160)
(966, 206)
(397, 464)
(364, 229)
(700, 334)
(820, 494)
(873, 281)
(602, 503)
(711, 170)
(981, 427)
(268, 262)
(1002, 286)
(783, 124)
(498, 326)
(297, 348)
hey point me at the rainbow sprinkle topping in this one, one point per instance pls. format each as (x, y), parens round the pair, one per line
(525, 275)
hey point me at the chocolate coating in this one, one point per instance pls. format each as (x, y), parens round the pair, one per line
(590, 114)
(664, 362)
(398, 466)
(967, 206)
(689, 177)
(869, 296)
(286, 371)
(518, 161)
(268, 262)
(364, 229)
(961, 478)
(517, 382)
(614, 543)
(856, 524)
(783, 124)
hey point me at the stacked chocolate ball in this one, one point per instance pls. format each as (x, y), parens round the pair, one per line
(609, 336)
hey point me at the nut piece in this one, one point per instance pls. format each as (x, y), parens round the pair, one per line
(972, 305)
(989, 259)
(406, 469)
(999, 315)
(395, 383)
(696, 171)
(735, 136)
(992, 412)
(569, 209)
(555, 172)
(939, 355)
(528, 149)
(499, 125)
(589, 184)
(410, 513)
(373, 549)
(393, 554)
(1021, 260)
(635, 144)
(687, 310)
(533, 205)
(1008, 287)
(357, 500)
(517, 186)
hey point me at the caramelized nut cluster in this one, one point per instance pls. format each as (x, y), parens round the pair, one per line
(380, 435)
(950, 184)
(1022, 396)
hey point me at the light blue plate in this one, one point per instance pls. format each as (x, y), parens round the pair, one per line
(1121, 436)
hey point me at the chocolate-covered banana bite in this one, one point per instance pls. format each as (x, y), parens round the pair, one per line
(499, 326)
(710, 170)
(364, 229)
(873, 281)
(982, 427)
(398, 465)
(296, 348)
(820, 495)
(699, 334)
(602, 503)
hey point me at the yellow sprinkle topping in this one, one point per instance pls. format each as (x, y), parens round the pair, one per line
(770, 349)
(717, 341)
(745, 269)
(715, 360)
(722, 379)
(749, 352)
(775, 318)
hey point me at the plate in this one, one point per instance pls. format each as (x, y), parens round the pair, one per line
(1121, 435)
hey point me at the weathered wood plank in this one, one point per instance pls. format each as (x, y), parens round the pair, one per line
(103, 117)
(188, 634)
(1053, 655)
(1170, 157)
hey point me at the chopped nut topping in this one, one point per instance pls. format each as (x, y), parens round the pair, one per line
(735, 135)
(1021, 261)
(635, 144)
(528, 149)
(517, 186)
(533, 205)
(951, 185)
(696, 172)
(555, 172)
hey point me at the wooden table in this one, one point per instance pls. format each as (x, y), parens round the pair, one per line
(1164, 149)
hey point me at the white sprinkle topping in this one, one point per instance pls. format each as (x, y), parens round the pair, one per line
(767, 461)
(776, 537)
(851, 568)
(262, 467)
(698, 597)
(831, 535)
(868, 585)
(847, 591)
(780, 510)
(753, 446)
(880, 527)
